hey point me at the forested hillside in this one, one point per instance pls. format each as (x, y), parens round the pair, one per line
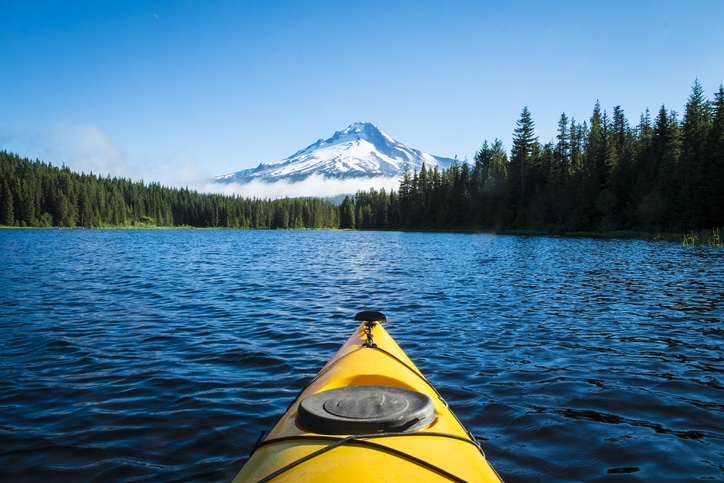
(602, 175)
(36, 194)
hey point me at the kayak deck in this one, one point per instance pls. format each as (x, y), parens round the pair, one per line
(369, 415)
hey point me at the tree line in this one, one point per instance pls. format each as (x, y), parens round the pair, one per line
(36, 194)
(602, 175)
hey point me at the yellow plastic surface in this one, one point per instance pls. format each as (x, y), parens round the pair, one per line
(388, 365)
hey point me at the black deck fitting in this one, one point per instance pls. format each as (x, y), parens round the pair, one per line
(370, 316)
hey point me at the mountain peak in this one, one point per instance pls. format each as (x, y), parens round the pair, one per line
(359, 151)
(361, 127)
(356, 132)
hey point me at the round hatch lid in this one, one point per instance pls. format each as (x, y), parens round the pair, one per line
(365, 409)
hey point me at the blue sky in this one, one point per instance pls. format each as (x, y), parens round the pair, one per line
(176, 91)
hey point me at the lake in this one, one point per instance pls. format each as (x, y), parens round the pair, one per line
(153, 355)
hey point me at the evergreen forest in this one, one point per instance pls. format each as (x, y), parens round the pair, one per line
(662, 175)
(35, 194)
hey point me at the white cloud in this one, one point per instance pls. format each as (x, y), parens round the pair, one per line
(82, 147)
(315, 186)
(86, 148)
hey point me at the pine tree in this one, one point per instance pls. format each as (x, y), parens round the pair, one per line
(7, 207)
(655, 208)
(595, 151)
(408, 208)
(716, 176)
(695, 161)
(562, 150)
(347, 216)
(623, 145)
(525, 146)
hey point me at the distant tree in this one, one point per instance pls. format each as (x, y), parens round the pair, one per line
(595, 152)
(716, 176)
(562, 163)
(347, 216)
(408, 198)
(281, 214)
(498, 169)
(525, 146)
(7, 208)
(695, 161)
(622, 177)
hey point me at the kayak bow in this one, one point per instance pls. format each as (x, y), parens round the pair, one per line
(369, 415)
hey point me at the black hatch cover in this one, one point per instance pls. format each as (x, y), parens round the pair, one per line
(365, 409)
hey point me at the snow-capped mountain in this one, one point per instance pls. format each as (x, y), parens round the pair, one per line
(360, 151)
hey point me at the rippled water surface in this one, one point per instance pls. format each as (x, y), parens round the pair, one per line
(161, 355)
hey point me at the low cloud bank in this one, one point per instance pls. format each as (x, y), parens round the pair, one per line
(316, 186)
(82, 147)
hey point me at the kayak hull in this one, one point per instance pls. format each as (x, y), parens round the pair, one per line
(434, 446)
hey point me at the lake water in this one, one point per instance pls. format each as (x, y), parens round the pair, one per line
(161, 355)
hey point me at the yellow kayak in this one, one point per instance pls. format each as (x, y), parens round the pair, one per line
(368, 416)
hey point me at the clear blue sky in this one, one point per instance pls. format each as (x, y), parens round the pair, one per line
(174, 91)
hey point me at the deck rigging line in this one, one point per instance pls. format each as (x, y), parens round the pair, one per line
(362, 440)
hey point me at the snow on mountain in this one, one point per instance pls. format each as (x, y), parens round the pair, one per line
(360, 151)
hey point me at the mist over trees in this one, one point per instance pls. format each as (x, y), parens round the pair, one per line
(663, 174)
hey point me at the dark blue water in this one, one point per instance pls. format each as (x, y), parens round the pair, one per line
(161, 355)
